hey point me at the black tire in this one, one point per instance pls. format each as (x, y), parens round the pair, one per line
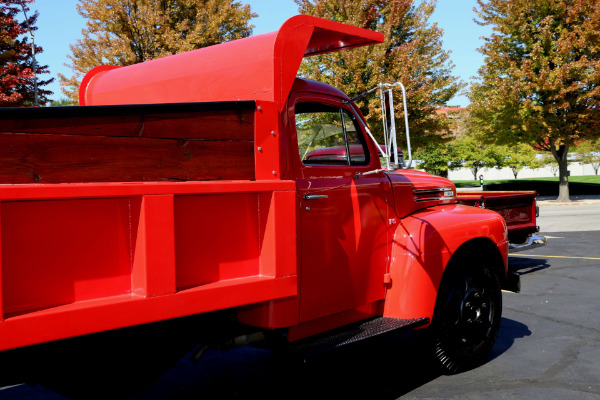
(466, 319)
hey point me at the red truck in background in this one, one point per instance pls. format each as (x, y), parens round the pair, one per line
(186, 185)
(519, 210)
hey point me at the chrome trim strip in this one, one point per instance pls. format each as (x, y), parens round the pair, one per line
(433, 199)
(532, 242)
(431, 191)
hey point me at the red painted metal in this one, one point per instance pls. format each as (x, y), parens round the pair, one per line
(81, 258)
(404, 184)
(422, 246)
(270, 63)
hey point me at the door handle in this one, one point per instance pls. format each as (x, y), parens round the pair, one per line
(314, 196)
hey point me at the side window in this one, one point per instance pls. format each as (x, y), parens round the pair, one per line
(329, 135)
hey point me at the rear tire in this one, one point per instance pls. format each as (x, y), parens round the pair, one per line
(466, 319)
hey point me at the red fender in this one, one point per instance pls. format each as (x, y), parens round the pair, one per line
(424, 243)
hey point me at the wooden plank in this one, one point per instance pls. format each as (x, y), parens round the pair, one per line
(214, 121)
(33, 158)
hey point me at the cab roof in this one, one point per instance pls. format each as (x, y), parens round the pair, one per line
(261, 67)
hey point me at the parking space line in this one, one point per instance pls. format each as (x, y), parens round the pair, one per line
(534, 255)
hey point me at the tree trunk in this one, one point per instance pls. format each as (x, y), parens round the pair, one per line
(560, 155)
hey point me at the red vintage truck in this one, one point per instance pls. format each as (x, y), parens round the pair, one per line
(182, 186)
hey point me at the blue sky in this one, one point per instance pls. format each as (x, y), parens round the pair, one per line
(59, 25)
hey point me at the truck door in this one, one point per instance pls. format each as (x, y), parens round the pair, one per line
(343, 218)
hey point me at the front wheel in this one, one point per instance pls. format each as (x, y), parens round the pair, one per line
(466, 319)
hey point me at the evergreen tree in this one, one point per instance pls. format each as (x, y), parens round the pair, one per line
(18, 72)
(125, 32)
(540, 82)
(412, 54)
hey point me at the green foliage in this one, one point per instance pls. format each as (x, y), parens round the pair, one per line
(548, 160)
(62, 103)
(588, 152)
(540, 83)
(434, 159)
(520, 156)
(468, 152)
(412, 53)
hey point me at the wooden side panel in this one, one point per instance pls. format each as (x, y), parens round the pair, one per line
(177, 142)
(36, 158)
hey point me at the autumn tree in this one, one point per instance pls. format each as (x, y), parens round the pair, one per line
(540, 82)
(412, 53)
(125, 32)
(18, 71)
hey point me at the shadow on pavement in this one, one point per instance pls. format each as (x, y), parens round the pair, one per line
(385, 368)
(524, 265)
(510, 331)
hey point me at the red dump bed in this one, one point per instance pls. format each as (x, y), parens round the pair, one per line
(114, 216)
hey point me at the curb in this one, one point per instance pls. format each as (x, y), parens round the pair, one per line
(575, 201)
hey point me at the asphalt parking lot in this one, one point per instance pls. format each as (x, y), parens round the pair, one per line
(548, 346)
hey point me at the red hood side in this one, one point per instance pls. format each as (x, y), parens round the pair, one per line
(414, 190)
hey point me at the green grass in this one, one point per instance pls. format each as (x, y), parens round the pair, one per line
(589, 179)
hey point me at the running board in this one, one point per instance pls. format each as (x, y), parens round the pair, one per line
(352, 334)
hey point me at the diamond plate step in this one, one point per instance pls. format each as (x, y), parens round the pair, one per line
(354, 333)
